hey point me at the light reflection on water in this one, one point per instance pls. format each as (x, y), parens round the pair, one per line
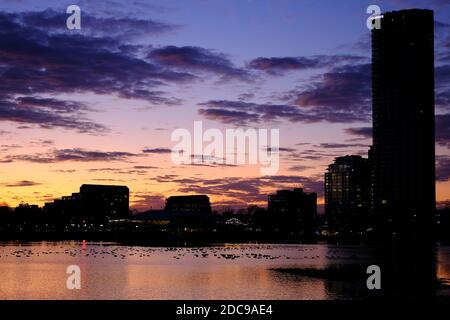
(109, 271)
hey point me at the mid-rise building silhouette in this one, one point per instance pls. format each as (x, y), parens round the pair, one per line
(191, 205)
(294, 210)
(92, 203)
(347, 195)
(403, 123)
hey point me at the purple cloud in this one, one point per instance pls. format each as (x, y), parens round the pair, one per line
(345, 89)
(280, 65)
(198, 59)
(245, 113)
(37, 62)
(442, 130)
(363, 132)
(48, 113)
(340, 145)
(241, 191)
(75, 154)
(442, 168)
(117, 26)
(145, 201)
(157, 150)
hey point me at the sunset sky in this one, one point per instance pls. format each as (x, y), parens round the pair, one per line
(98, 105)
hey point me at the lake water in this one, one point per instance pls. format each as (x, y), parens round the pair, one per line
(37, 270)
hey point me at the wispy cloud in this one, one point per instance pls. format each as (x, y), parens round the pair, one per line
(23, 183)
(443, 168)
(239, 191)
(117, 26)
(48, 114)
(362, 132)
(75, 154)
(345, 89)
(340, 145)
(278, 66)
(156, 150)
(198, 59)
(443, 130)
(245, 113)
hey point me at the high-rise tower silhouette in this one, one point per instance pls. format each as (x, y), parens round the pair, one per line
(403, 123)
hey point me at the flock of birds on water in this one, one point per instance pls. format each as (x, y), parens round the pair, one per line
(235, 252)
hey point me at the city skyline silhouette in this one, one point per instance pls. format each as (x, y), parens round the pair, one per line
(91, 126)
(225, 150)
